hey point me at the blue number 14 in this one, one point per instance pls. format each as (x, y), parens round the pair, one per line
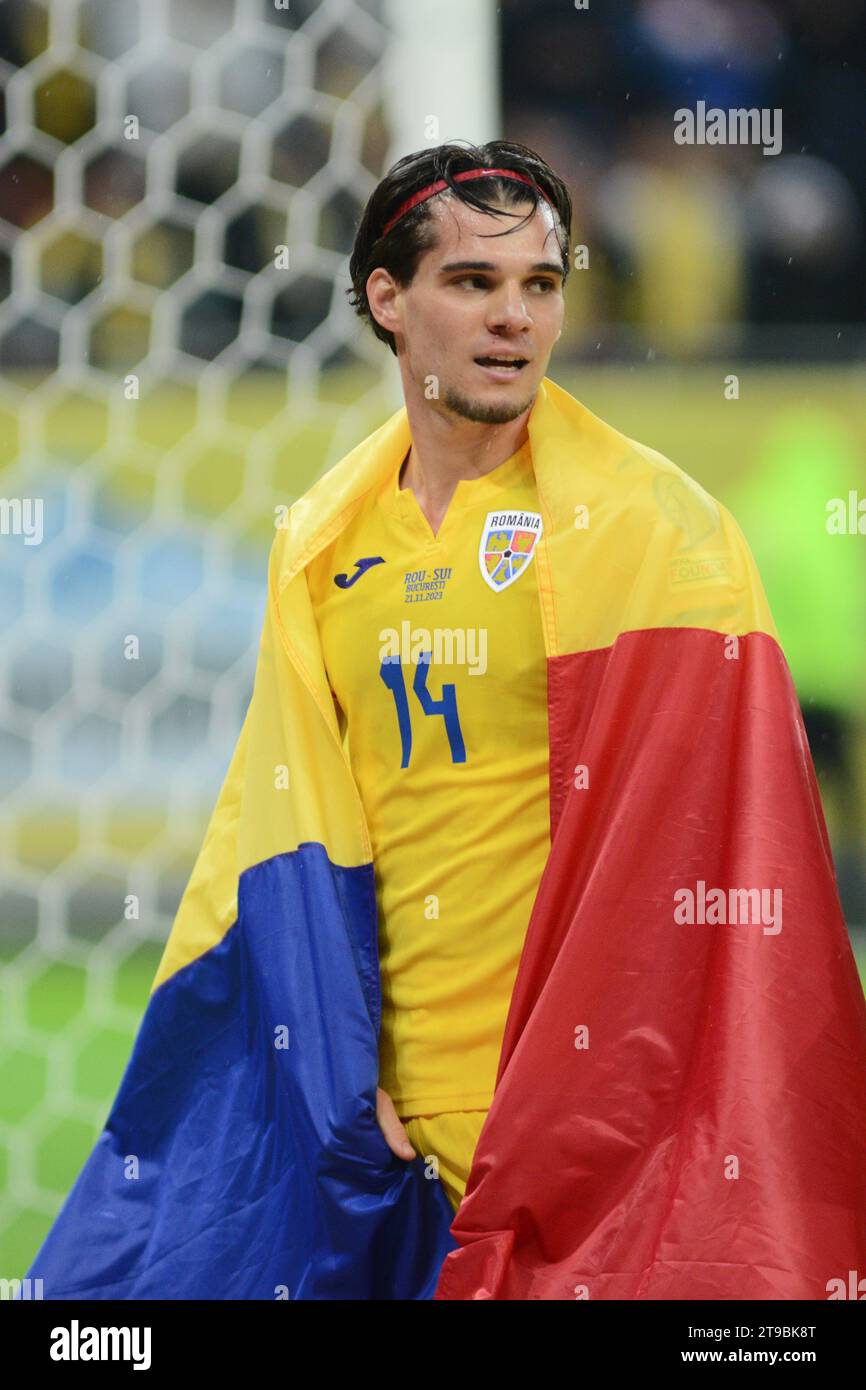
(392, 674)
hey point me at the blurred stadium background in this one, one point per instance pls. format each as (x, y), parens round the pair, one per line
(179, 185)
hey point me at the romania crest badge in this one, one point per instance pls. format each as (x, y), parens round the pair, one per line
(508, 543)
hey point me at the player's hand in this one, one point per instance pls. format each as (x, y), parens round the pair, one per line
(391, 1126)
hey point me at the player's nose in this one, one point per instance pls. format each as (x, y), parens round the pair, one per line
(507, 308)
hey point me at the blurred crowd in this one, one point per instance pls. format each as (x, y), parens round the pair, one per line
(702, 248)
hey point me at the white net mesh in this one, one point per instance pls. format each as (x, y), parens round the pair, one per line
(179, 186)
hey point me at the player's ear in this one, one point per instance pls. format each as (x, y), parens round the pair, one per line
(382, 292)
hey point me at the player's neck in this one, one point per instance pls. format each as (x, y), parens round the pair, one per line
(433, 467)
(434, 488)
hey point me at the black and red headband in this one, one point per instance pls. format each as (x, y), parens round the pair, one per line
(441, 184)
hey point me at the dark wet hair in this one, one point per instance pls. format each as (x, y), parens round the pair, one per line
(400, 250)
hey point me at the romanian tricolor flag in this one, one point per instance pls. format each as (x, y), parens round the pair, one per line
(680, 1108)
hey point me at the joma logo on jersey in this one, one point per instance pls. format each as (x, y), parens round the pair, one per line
(508, 543)
(345, 581)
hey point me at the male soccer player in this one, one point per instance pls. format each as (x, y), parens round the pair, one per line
(464, 281)
(520, 854)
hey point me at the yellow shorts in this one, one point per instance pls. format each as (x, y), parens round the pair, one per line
(447, 1145)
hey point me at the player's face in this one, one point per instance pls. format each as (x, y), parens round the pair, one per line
(476, 298)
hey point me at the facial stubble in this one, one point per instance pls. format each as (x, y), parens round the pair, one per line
(484, 413)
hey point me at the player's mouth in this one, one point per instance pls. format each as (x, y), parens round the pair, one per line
(502, 366)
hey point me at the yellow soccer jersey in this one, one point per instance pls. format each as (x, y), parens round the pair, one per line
(435, 653)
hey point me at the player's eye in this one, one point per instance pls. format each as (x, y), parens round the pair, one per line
(543, 283)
